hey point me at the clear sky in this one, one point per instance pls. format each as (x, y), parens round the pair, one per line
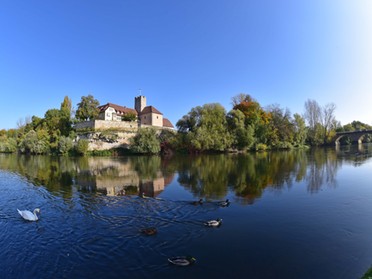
(185, 53)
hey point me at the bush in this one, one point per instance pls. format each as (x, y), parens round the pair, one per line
(64, 145)
(145, 142)
(8, 145)
(82, 147)
(261, 147)
(30, 143)
(129, 117)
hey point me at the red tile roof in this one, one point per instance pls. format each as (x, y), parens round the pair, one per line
(167, 123)
(150, 109)
(117, 108)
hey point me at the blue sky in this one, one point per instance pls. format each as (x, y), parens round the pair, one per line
(183, 54)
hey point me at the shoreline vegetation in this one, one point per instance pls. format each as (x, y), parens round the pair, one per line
(208, 128)
(368, 274)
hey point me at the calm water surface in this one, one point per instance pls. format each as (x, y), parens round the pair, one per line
(298, 214)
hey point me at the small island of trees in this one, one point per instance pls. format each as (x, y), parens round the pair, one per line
(207, 128)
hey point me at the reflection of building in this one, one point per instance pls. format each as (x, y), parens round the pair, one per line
(118, 178)
(152, 188)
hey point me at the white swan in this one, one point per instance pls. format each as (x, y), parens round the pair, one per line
(28, 215)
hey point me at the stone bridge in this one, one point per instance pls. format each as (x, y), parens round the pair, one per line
(355, 136)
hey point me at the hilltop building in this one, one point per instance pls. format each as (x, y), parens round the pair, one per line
(146, 115)
(116, 125)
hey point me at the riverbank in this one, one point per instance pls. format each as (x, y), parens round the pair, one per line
(368, 274)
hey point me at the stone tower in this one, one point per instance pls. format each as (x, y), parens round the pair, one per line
(139, 103)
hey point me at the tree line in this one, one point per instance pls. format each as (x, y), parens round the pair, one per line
(207, 128)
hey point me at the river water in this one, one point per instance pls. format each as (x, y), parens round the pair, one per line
(295, 214)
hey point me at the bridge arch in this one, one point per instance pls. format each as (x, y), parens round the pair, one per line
(355, 136)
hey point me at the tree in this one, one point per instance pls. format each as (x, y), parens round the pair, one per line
(129, 117)
(321, 120)
(65, 144)
(300, 132)
(313, 115)
(242, 136)
(282, 130)
(145, 141)
(87, 108)
(65, 116)
(329, 121)
(34, 143)
(206, 128)
(82, 147)
(255, 116)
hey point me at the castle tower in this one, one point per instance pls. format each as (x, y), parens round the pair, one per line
(139, 103)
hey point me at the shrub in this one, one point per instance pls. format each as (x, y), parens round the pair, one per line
(261, 147)
(64, 145)
(82, 147)
(145, 141)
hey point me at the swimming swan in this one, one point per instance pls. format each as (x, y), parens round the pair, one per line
(28, 215)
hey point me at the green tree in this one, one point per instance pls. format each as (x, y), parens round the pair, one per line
(34, 143)
(64, 145)
(87, 108)
(321, 122)
(65, 116)
(300, 131)
(206, 128)
(281, 127)
(129, 117)
(242, 136)
(255, 116)
(7, 145)
(145, 142)
(82, 147)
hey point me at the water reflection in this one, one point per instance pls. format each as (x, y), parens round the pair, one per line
(210, 176)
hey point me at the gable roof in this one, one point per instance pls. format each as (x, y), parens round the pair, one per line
(117, 108)
(150, 109)
(167, 123)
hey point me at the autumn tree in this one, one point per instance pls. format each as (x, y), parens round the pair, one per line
(281, 127)
(255, 116)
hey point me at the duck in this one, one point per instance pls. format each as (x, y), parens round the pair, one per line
(28, 215)
(143, 195)
(224, 203)
(149, 231)
(197, 202)
(213, 223)
(182, 260)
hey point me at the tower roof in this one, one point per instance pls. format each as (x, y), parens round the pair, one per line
(150, 109)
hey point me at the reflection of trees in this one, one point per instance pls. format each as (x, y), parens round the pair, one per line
(55, 173)
(209, 176)
(205, 175)
(248, 175)
(322, 169)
